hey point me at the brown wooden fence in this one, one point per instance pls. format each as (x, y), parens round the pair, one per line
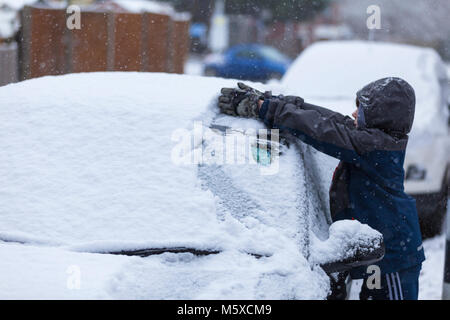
(107, 41)
(156, 31)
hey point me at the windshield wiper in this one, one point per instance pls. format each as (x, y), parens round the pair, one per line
(156, 251)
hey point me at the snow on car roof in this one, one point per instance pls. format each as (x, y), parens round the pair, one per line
(336, 70)
(87, 158)
(86, 162)
(147, 6)
(138, 6)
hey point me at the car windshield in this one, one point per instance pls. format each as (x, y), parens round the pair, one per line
(274, 55)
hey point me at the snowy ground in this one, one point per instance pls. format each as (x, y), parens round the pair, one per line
(432, 275)
(194, 66)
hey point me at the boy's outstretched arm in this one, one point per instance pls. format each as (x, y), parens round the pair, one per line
(323, 111)
(325, 130)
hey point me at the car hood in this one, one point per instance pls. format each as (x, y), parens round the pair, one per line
(30, 272)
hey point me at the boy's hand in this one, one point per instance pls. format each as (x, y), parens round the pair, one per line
(243, 101)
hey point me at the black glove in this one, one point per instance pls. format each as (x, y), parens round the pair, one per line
(241, 102)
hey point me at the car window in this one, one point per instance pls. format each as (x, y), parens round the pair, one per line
(289, 200)
(273, 55)
(247, 54)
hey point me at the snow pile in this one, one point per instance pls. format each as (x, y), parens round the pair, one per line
(193, 66)
(139, 6)
(16, 4)
(347, 238)
(145, 6)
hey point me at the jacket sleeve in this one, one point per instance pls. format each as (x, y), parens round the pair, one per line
(336, 116)
(323, 129)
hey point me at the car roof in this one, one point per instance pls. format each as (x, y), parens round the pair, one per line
(87, 163)
(88, 158)
(249, 46)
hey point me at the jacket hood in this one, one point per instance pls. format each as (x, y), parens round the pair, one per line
(387, 104)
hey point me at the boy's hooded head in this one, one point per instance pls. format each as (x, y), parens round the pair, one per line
(387, 104)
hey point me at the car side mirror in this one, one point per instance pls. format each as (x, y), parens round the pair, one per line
(350, 245)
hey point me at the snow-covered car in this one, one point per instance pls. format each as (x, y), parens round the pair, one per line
(248, 62)
(113, 186)
(330, 74)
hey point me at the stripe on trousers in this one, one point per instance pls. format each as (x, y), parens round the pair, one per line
(399, 286)
(394, 285)
(389, 287)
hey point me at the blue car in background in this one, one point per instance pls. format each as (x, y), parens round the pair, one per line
(248, 62)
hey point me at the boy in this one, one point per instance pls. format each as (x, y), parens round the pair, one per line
(367, 185)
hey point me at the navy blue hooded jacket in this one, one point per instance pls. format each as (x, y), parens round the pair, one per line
(368, 183)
